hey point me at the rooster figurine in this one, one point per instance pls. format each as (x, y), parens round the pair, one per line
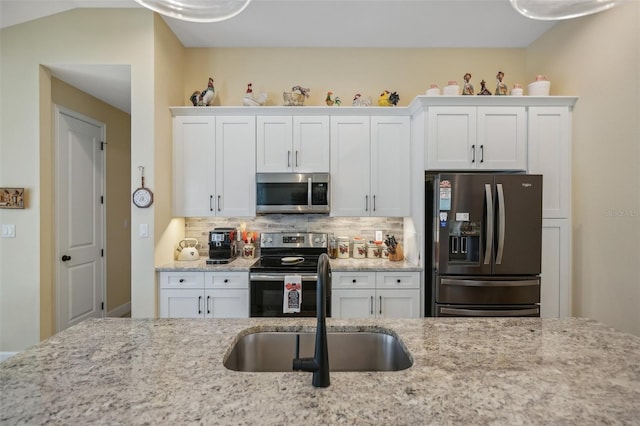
(358, 100)
(388, 98)
(250, 100)
(328, 100)
(206, 97)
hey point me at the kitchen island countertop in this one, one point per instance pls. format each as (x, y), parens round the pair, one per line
(465, 371)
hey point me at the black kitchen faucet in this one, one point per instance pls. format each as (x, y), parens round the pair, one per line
(319, 364)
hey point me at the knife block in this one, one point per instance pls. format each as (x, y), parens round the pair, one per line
(397, 255)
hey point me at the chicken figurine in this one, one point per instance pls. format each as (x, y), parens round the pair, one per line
(250, 100)
(330, 102)
(359, 101)
(388, 98)
(206, 97)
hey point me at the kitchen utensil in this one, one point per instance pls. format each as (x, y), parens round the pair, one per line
(188, 249)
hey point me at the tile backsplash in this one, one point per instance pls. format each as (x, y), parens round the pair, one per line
(199, 227)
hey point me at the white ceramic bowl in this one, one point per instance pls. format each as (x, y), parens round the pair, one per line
(539, 88)
(451, 90)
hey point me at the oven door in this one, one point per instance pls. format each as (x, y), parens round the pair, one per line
(266, 293)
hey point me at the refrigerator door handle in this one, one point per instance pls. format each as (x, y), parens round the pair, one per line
(490, 221)
(501, 224)
(490, 312)
(481, 283)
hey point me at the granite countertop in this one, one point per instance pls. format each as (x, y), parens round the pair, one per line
(243, 265)
(465, 371)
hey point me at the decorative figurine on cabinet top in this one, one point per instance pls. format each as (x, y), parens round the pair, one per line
(250, 99)
(501, 89)
(296, 96)
(359, 101)
(388, 98)
(483, 89)
(336, 101)
(206, 97)
(467, 87)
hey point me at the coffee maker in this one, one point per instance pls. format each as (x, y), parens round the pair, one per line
(222, 246)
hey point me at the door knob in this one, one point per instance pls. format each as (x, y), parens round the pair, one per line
(66, 258)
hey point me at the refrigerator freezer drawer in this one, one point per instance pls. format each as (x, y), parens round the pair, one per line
(488, 291)
(487, 311)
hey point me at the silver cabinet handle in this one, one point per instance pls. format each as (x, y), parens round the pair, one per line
(501, 224)
(473, 153)
(490, 220)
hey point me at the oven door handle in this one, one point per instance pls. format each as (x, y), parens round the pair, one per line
(279, 277)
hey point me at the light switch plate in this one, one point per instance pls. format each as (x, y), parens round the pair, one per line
(8, 231)
(144, 230)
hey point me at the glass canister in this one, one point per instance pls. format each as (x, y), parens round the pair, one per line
(333, 247)
(359, 249)
(384, 251)
(343, 247)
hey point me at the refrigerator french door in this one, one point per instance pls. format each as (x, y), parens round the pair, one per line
(484, 240)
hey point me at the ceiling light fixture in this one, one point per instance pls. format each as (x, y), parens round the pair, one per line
(551, 10)
(197, 10)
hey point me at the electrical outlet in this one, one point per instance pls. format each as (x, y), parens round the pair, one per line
(8, 231)
(144, 230)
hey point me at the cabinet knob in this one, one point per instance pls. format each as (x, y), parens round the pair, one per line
(398, 280)
(181, 280)
(354, 281)
(226, 280)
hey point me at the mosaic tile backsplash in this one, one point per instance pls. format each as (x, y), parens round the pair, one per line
(199, 227)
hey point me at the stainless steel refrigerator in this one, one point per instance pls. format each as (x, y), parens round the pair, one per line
(484, 239)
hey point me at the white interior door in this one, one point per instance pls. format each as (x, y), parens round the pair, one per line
(79, 218)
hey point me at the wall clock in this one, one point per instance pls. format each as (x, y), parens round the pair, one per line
(142, 197)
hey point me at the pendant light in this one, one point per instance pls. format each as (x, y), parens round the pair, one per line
(551, 10)
(197, 10)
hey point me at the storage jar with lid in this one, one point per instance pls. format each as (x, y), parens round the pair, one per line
(359, 249)
(343, 247)
(333, 247)
(374, 250)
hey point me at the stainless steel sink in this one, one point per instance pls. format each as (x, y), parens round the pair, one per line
(348, 351)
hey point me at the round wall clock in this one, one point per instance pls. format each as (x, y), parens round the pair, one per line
(142, 197)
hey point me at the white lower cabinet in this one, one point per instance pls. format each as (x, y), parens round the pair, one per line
(204, 295)
(375, 295)
(555, 277)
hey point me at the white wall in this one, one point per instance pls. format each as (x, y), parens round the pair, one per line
(93, 36)
(598, 58)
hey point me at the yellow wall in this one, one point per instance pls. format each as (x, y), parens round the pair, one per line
(344, 71)
(83, 36)
(117, 179)
(598, 59)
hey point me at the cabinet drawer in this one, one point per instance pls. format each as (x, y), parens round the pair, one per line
(226, 279)
(181, 280)
(398, 280)
(353, 280)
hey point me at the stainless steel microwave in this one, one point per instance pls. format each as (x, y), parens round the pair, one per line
(292, 193)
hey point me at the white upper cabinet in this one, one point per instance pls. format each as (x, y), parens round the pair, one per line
(298, 144)
(466, 138)
(550, 155)
(370, 166)
(214, 166)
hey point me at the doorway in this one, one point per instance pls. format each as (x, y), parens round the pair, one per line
(79, 217)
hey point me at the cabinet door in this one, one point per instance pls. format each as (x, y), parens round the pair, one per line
(390, 170)
(222, 303)
(235, 168)
(311, 144)
(555, 277)
(549, 148)
(398, 303)
(501, 142)
(193, 160)
(350, 164)
(182, 303)
(451, 138)
(357, 303)
(274, 143)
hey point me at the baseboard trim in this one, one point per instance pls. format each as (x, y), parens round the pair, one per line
(6, 355)
(120, 310)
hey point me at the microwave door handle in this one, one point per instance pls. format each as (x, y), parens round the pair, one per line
(309, 189)
(501, 224)
(490, 220)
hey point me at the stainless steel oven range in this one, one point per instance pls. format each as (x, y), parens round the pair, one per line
(286, 253)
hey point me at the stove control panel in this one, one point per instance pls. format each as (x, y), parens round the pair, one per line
(293, 240)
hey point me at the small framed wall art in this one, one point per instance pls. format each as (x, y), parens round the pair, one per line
(11, 198)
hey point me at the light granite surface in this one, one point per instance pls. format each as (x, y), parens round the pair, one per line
(467, 371)
(240, 265)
